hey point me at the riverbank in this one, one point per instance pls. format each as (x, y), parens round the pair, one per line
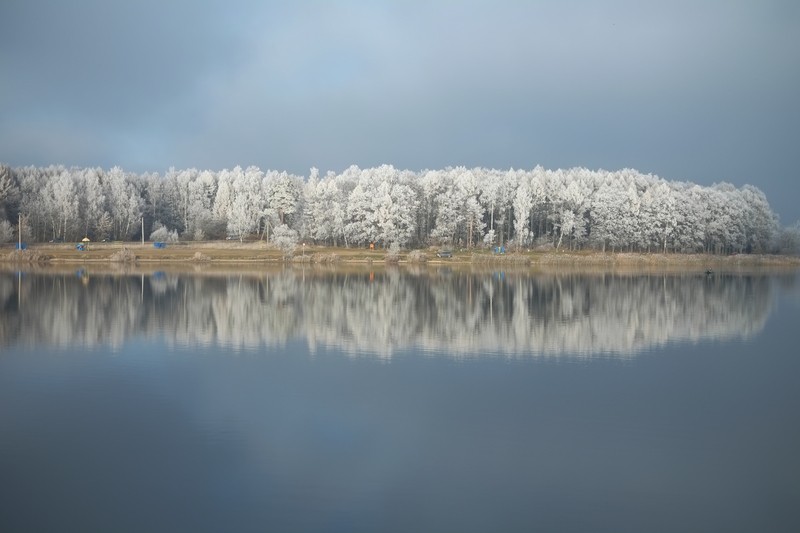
(226, 252)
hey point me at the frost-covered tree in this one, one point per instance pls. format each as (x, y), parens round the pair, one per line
(61, 203)
(224, 197)
(664, 214)
(523, 203)
(283, 192)
(449, 217)
(489, 238)
(161, 200)
(122, 191)
(9, 193)
(325, 210)
(759, 221)
(468, 191)
(162, 234)
(103, 226)
(360, 226)
(32, 181)
(285, 239)
(605, 213)
(473, 215)
(573, 207)
(91, 199)
(6, 231)
(787, 240)
(194, 193)
(245, 210)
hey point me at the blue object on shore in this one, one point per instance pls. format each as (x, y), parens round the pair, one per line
(22, 246)
(158, 244)
(80, 247)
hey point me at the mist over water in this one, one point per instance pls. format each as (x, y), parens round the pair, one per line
(398, 400)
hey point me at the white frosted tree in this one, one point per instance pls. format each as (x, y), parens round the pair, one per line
(202, 192)
(285, 239)
(162, 233)
(665, 214)
(467, 190)
(360, 217)
(383, 213)
(325, 210)
(61, 201)
(761, 223)
(32, 181)
(9, 192)
(124, 203)
(605, 211)
(224, 197)
(245, 208)
(6, 231)
(623, 209)
(395, 213)
(195, 194)
(104, 226)
(717, 218)
(787, 240)
(490, 195)
(473, 217)
(93, 200)
(161, 200)
(449, 216)
(284, 192)
(690, 206)
(566, 225)
(523, 203)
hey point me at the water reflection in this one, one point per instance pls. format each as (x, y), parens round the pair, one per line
(459, 313)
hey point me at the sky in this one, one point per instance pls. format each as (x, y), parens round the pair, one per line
(701, 91)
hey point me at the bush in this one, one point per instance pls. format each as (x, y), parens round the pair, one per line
(162, 234)
(417, 256)
(488, 239)
(325, 258)
(285, 239)
(123, 256)
(393, 255)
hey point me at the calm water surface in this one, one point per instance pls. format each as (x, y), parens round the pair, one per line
(401, 400)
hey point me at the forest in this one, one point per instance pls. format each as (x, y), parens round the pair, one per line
(571, 209)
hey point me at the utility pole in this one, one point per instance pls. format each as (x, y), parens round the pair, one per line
(142, 231)
(19, 231)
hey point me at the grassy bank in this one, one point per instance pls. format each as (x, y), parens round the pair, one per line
(222, 252)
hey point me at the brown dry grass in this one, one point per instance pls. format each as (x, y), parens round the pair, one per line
(259, 252)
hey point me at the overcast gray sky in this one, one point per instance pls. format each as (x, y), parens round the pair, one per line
(703, 91)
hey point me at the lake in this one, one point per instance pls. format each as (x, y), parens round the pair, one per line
(411, 399)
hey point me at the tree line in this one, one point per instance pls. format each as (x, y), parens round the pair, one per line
(574, 208)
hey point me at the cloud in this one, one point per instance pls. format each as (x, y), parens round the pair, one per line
(700, 91)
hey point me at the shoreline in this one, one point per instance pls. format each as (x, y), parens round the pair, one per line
(250, 254)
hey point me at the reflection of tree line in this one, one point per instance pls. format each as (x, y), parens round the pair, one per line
(459, 313)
